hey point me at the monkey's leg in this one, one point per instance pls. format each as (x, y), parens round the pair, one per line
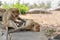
(6, 33)
(12, 24)
(24, 26)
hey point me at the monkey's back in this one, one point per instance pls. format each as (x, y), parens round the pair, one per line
(5, 18)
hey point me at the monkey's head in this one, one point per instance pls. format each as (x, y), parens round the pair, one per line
(36, 27)
(14, 11)
(2, 10)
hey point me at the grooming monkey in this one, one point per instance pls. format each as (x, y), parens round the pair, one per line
(10, 16)
(8, 19)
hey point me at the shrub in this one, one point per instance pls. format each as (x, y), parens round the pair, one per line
(49, 32)
(22, 7)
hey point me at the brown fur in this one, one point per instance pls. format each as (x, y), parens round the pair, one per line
(29, 25)
(33, 26)
(8, 19)
(9, 16)
(36, 27)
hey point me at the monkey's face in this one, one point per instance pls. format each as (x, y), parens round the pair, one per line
(15, 12)
(36, 28)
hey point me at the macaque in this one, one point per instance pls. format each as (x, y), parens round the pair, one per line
(8, 19)
(33, 26)
(30, 25)
(10, 16)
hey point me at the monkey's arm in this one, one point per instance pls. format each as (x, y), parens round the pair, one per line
(20, 19)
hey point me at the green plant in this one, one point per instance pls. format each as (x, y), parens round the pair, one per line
(22, 7)
(49, 32)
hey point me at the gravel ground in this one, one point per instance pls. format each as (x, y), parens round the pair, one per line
(29, 36)
(26, 36)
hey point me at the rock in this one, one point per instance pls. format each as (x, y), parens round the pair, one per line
(55, 38)
(3, 36)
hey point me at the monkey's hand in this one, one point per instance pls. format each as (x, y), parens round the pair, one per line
(20, 19)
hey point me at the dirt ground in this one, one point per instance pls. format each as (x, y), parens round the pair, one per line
(51, 19)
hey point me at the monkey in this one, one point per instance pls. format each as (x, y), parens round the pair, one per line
(29, 25)
(33, 26)
(10, 16)
(8, 19)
